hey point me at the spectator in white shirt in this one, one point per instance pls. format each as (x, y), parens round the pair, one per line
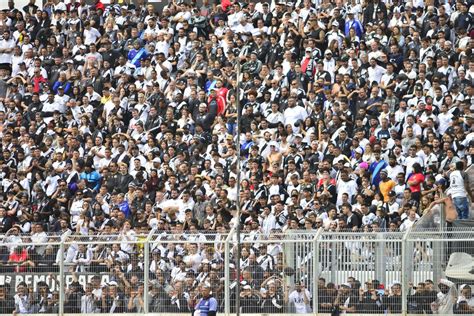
(91, 35)
(7, 44)
(294, 113)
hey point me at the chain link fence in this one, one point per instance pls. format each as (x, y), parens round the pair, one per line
(359, 272)
(303, 272)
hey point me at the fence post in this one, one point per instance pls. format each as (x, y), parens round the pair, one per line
(406, 255)
(316, 269)
(438, 257)
(227, 272)
(146, 270)
(334, 250)
(62, 289)
(146, 266)
(380, 261)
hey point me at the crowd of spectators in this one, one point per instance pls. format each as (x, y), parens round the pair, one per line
(120, 119)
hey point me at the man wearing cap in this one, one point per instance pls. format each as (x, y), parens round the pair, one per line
(216, 103)
(345, 302)
(136, 54)
(418, 97)
(308, 64)
(335, 33)
(386, 185)
(353, 23)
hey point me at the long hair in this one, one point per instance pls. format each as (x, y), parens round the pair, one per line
(417, 168)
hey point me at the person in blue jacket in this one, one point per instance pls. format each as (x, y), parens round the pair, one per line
(352, 22)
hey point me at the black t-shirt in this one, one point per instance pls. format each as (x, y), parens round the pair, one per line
(8, 305)
(394, 303)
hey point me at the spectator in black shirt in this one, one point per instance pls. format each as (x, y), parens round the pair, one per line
(8, 303)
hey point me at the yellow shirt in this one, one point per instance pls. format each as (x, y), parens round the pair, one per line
(105, 99)
(385, 188)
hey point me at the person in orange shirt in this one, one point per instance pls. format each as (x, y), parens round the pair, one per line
(386, 185)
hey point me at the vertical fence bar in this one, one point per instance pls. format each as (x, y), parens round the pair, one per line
(146, 271)
(316, 270)
(62, 289)
(146, 268)
(227, 272)
(333, 246)
(406, 255)
(380, 266)
(437, 259)
(227, 277)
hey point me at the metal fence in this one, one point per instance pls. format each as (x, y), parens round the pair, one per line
(312, 272)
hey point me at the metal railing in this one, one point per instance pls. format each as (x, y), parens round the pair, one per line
(313, 272)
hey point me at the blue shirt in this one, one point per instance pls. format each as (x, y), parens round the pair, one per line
(206, 305)
(375, 169)
(125, 209)
(359, 30)
(92, 180)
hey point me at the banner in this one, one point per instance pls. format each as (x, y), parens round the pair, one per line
(52, 280)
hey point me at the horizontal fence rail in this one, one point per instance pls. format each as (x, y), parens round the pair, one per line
(302, 272)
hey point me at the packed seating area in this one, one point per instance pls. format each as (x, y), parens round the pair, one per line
(120, 156)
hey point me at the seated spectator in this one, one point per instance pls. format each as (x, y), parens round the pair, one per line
(20, 259)
(8, 302)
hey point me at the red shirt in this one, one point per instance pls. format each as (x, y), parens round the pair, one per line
(19, 258)
(225, 4)
(321, 182)
(36, 83)
(419, 178)
(222, 92)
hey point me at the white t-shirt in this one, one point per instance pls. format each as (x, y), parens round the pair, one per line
(444, 120)
(6, 58)
(91, 36)
(349, 187)
(456, 184)
(292, 115)
(410, 161)
(297, 299)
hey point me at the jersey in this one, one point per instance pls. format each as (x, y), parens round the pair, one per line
(204, 306)
(456, 184)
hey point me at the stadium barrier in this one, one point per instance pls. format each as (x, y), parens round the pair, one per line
(115, 274)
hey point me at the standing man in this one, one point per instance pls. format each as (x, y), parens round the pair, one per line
(457, 190)
(207, 305)
(7, 43)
